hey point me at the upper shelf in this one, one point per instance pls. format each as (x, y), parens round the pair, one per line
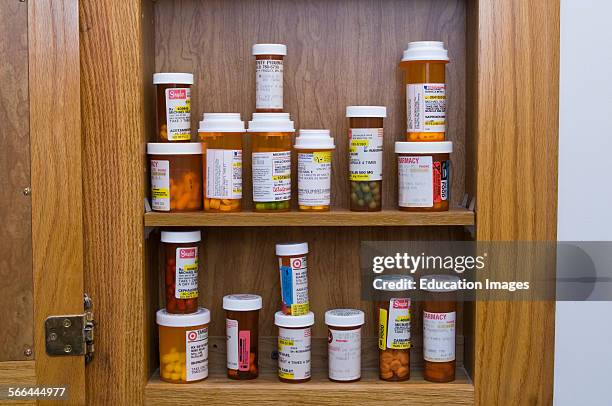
(454, 217)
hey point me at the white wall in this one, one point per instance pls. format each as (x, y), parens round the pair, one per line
(583, 339)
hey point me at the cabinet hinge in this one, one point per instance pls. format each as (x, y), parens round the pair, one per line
(71, 334)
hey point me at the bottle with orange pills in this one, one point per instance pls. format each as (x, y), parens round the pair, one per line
(221, 134)
(424, 65)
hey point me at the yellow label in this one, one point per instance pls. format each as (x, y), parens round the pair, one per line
(286, 375)
(300, 309)
(281, 177)
(382, 329)
(285, 342)
(353, 149)
(181, 136)
(188, 294)
(360, 143)
(359, 176)
(160, 193)
(322, 157)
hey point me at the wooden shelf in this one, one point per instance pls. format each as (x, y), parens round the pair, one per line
(454, 217)
(266, 389)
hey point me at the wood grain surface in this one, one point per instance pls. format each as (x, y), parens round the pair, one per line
(517, 135)
(57, 216)
(15, 373)
(340, 53)
(16, 290)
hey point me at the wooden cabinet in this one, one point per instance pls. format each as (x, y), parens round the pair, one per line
(90, 232)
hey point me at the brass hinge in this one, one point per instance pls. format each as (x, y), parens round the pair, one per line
(71, 334)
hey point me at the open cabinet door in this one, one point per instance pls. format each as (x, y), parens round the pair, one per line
(41, 206)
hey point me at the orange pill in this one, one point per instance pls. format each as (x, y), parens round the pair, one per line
(385, 368)
(403, 357)
(235, 203)
(225, 207)
(402, 372)
(226, 202)
(395, 365)
(386, 375)
(386, 356)
(206, 204)
(215, 204)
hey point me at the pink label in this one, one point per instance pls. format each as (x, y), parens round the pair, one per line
(177, 94)
(244, 349)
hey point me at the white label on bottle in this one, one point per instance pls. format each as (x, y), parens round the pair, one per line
(160, 185)
(294, 353)
(398, 327)
(415, 178)
(271, 176)
(196, 354)
(269, 84)
(223, 173)
(344, 353)
(231, 328)
(365, 153)
(314, 178)
(439, 336)
(178, 113)
(426, 105)
(186, 283)
(294, 285)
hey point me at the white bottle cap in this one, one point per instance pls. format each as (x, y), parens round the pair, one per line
(291, 248)
(271, 122)
(314, 139)
(394, 283)
(181, 236)
(344, 317)
(425, 51)
(285, 320)
(242, 302)
(441, 279)
(269, 49)
(366, 111)
(199, 318)
(221, 123)
(168, 78)
(441, 147)
(174, 148)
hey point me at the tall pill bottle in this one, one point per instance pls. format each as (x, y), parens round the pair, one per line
(221, 134)
(173, 106)
(366, 156)
(424, 66)
(439, 327)
(314, 155)
(344, 344)
(269, 59)
(271, 144)
(242, 330)
(293, 268)
(294, 346)
(181, 251)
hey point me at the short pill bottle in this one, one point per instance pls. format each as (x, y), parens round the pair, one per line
(176, 176)
(181, 250)
(344, 344)
(423, 170)
(221, 135)
(269, 61)
(439, 327)
(366, 138)
(314, 155)
(424, 66)
(293, 267)
(242, 330)
(271, 144)
(393, 317)
(183, 346)
(173, 106)
(294, 346)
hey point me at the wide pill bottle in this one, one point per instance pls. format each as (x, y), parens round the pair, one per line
(294, 346)
(242, 330)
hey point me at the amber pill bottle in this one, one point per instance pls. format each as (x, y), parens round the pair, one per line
(242, 329)
(182, 262)
(173, 106)
(424, 66)
(294, 347)
(439, 329)
(269, 59)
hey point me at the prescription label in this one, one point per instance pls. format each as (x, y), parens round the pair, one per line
(396, 325)
(269, 84)
(271, 176)
(344, 354)
(294, 285)
(223, 174)
(294, 353)
(415, 178)
(314, 178)
(365, 154)
(196, 354)
(186, 279)
(178, 114)
(426, 107)
(439, 336)
(160, 185)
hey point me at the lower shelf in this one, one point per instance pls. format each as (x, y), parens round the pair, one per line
(266, 389)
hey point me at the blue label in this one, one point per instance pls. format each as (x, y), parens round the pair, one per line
(287, 285)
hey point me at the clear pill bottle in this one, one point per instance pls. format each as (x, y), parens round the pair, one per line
(294, 346)
(271, 144)
(269, 60)
(293, 267)
(181, 250)
(439, 328)
(344, 344)
(314, 155)
(424, 66)
(366, 138)
(183, 346)
(173, 106)
(242, 330)
(221, 135)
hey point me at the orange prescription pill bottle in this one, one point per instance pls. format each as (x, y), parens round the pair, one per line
(242, 330)
(221, 134)
(269, 59)
(314, 155)
(293, 267)
(271, 144)
(173, 106)
(183, 346)
(423, 175)
(181, 251)
(176, 176)
(439, 327)
(294, 345)
(424, 65)
(344, 344)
